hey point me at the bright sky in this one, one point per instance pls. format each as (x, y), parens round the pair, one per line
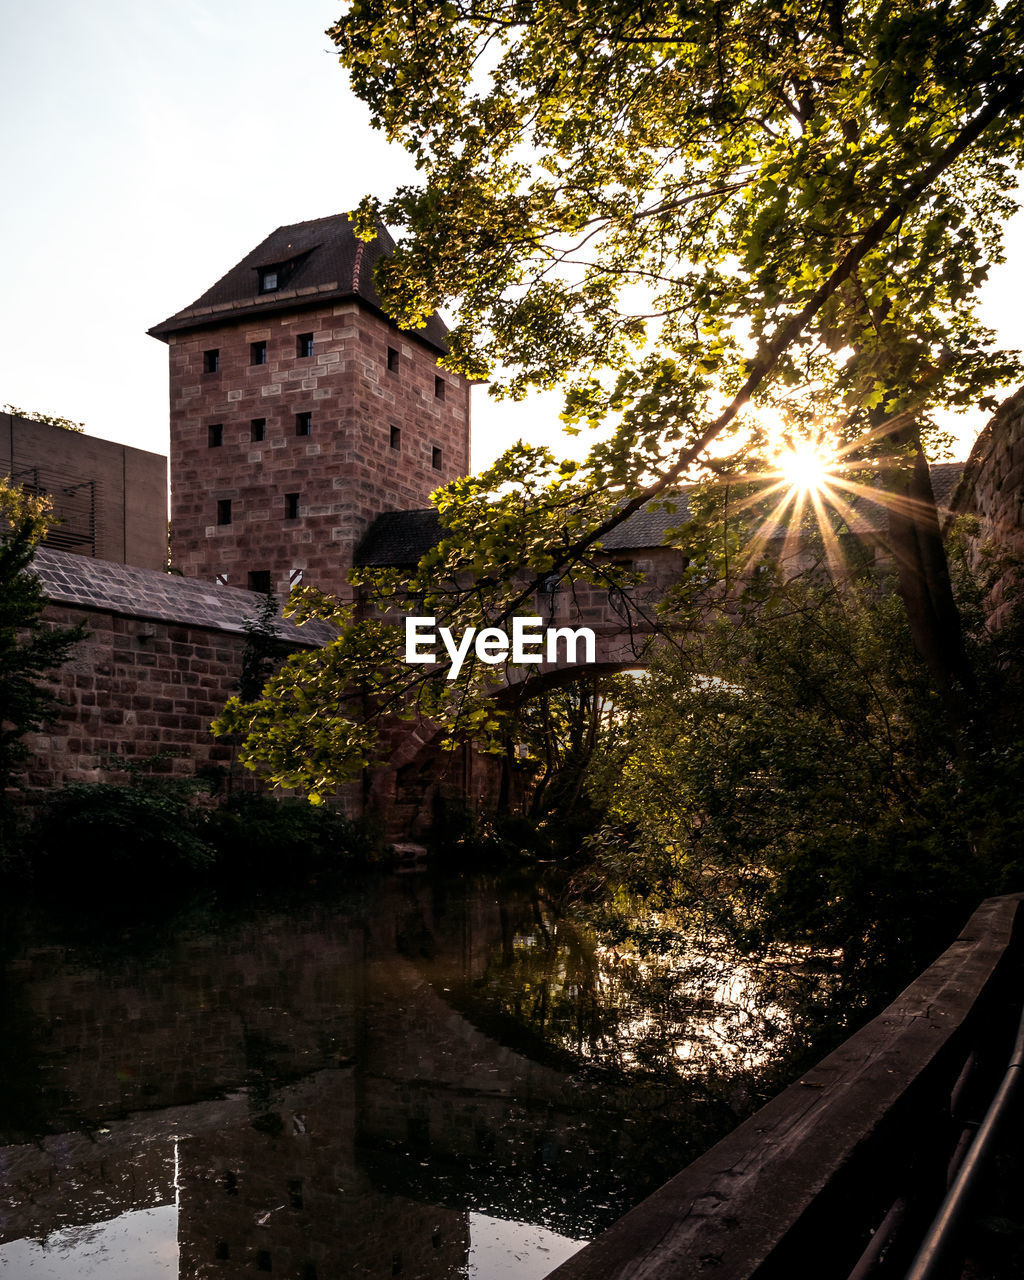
(146, 148)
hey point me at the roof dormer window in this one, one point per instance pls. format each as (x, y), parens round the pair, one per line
(274, 276)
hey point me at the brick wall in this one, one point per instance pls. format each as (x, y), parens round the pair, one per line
(371, 445)
(135, 688)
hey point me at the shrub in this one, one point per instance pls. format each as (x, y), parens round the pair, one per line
(128, 839)
(256, 836)
(120, 838)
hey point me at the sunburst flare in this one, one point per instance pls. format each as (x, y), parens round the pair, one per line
(811, 474)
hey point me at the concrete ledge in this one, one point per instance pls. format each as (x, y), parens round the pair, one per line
(795, 1190)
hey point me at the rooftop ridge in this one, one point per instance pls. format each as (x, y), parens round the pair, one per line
(325, 260)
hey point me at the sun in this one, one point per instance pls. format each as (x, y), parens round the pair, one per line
(806, 465)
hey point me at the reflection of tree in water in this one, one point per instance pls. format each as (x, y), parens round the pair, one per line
(659, 1001)
(339, 1100)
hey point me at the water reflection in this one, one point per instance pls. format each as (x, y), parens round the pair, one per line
(423, 1079)
(140, 1245)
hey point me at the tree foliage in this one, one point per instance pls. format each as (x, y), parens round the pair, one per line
(52, 420)
(676, 212)
(29, 648)
(787, 773)
(755, 187)
(674, 215)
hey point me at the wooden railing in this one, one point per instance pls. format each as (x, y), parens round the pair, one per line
(840, 1175)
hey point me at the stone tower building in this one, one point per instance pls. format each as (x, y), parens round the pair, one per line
(300, 412)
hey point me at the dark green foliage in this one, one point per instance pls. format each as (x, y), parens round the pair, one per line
(788, 774)
(255, 836)
(28, 649)
(115, 840)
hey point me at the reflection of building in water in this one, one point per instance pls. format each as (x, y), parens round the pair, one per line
(332, 1091)
(285, 1193)
(328, 1049)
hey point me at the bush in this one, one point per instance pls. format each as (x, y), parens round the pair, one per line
(127, 839)
(117, 838)
(255, 836)
(786, 773)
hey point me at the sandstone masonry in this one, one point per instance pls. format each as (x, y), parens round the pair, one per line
(161, 657)
(992, 489)
(299, 414)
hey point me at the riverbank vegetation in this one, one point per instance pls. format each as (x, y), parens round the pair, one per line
(786, 772)
(161, 835)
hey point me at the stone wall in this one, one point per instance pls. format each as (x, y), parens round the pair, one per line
(135, 689)
(160, 658)
(992, 489)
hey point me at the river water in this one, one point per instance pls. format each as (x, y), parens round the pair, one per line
(414, 1077)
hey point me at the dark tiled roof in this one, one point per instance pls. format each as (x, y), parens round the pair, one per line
(332, 264)
(146, 593)
(647, 527)
(945, 478)
(870, 517)
(399, 538)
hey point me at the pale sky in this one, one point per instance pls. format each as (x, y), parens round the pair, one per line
(148, 147)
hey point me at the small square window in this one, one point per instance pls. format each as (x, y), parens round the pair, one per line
(259, 580)
(396, 437)
(258, 430)
(392, 360)
(257, 353)
(223, 510)
(211, 361)
(303, 424)
(268, 280)
(439, 388)
(291, 506)
(215, 435)
(437, 458)
(304, 345)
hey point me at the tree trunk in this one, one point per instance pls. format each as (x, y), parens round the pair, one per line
(923, 579)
